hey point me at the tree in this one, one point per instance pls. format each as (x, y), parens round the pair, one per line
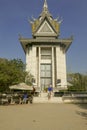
(79, 81)
(11, 72)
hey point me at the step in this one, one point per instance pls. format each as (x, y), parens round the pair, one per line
(43, 94)
(46, 100)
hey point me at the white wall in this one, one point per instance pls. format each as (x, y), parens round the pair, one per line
(31, 61)
(61, 66)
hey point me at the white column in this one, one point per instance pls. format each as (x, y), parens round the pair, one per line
(39, 69)
(53, 67)
(61, 66)
(58, 62)
(29, 59)
(34, 63)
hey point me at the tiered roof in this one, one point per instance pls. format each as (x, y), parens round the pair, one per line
(50, 26)
(45, 30)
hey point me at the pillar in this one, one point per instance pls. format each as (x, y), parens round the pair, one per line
(39, 69)
(53, 67)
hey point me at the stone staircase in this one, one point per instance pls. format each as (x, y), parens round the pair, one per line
(43, 98)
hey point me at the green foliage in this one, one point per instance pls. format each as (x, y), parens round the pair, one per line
(29, 79)
(11, 72)
(79, 82)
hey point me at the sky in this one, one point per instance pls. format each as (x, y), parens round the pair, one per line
(14, 15)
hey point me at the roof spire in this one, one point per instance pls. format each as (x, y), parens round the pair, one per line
(45, 10)
(45, 7)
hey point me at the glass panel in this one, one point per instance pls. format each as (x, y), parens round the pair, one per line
(42, 67)
(45, 70)
(48, 67)
(48, 74)
(48, 81)
(42, 73)
(46, 77)
(45, 82)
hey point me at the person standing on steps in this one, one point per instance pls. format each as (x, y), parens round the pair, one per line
(50, 89)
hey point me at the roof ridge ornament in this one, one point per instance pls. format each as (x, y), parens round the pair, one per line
(45, 6)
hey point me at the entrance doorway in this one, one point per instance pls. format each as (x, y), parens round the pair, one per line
(45, 75)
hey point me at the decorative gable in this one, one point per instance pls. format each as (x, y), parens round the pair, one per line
(45, 28)
(45, 25)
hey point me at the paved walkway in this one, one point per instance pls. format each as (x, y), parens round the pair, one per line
(43, 117)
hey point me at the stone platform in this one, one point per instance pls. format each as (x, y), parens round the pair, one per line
(43, 98)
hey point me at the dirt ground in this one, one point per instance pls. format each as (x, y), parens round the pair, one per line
(44, 117)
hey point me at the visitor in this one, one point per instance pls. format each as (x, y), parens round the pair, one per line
(25, 98)
(50, 89)
(33, 91)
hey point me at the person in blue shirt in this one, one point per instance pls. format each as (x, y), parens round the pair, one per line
(50, 89)
(25, 97)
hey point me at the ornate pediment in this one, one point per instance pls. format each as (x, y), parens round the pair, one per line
(45, 28)
(45, 25)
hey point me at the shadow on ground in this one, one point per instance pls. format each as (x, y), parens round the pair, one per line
(83, 111)
(83, 114)
(83, 105)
